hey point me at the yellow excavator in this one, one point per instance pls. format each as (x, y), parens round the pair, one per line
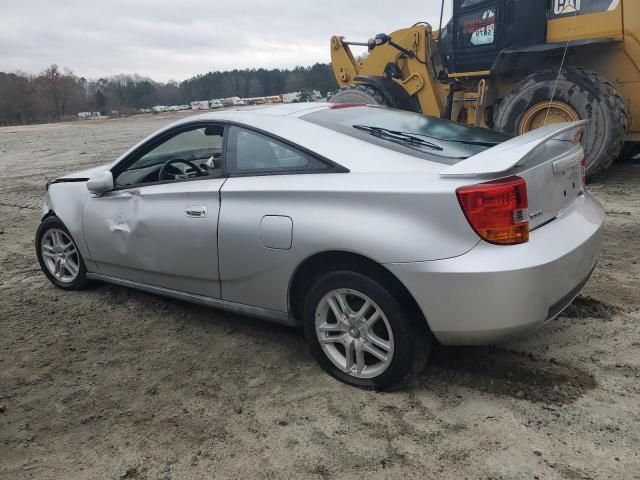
(513, 66)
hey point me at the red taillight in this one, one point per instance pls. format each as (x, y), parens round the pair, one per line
(497, 210)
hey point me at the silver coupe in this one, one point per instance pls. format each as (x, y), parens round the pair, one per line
(377, 230)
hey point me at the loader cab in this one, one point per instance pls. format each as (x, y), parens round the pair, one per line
(480, 29)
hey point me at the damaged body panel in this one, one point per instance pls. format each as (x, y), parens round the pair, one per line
(145, 235)
(66, 201)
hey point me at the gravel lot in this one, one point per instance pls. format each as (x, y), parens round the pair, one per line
(111, 383)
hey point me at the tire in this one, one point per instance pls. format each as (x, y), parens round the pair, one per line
(360, 94)
(73, 272)
(589, 94)
(406, 335)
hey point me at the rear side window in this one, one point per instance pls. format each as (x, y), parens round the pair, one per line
(451, 142)
(253, 153)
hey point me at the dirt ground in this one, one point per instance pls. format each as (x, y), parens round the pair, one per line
(111, 383)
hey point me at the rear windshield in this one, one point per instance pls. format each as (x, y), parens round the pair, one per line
(415, 134)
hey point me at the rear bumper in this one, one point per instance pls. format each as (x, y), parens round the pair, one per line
(493, 293)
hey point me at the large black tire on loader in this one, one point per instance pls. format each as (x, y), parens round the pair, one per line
(580, 94)
(360, 94)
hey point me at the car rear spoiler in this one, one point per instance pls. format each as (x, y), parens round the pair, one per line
(514, 152)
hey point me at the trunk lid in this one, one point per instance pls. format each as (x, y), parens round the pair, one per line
(554, 184)
(549, 159)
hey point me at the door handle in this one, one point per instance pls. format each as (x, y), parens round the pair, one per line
(194, 211)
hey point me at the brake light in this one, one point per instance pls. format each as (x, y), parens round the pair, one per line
(497, 210)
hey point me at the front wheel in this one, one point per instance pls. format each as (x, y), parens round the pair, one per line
(59, 257)
(360, 334)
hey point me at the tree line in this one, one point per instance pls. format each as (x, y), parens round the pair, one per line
(57, 94)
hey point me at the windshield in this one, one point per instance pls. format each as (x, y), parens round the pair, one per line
(426, 137)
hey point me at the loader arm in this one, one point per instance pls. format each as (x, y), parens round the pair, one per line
(417, 77)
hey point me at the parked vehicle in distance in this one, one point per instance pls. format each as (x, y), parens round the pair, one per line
(291, 97)
(200, 105)
(377, 230)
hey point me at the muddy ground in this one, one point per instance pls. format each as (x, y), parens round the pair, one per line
(110, 383)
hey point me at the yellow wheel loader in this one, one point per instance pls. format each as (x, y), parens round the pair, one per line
(513, 66)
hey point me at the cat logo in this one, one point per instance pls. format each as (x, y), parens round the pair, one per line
(563, 7)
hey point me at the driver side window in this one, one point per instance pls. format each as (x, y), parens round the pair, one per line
(194, 152)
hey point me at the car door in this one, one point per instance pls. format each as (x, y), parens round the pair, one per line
(159, 225)
(258, 217)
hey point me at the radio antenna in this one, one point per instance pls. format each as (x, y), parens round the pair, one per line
(441, 17)
(564, 57)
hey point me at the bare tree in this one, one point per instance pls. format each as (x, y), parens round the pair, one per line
(54, 84)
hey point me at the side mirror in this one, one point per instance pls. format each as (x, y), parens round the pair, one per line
(100, 182)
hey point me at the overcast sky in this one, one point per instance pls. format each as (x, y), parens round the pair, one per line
(165, 39)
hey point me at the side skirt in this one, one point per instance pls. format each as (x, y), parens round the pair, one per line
(262, 313)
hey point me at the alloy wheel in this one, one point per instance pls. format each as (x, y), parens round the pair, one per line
(354, 333)
(60, 255)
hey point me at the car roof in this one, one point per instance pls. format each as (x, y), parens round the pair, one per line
(285, 121)
(348, 151)
(282, 110)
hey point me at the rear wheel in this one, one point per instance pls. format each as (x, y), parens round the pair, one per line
(361, 335)
(580, 94)
(359, 94)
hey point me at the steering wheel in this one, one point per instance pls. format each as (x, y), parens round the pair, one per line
(166, 174)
